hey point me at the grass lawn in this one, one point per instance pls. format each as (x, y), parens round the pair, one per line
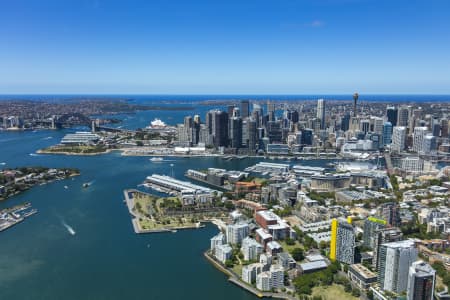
(332, 292)
(237, 268)
(288, 248)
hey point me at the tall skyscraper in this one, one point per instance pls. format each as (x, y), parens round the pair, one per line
(392, 115)
(387, 133)
(398, 139)
(274, 132)
(419, 134)
(345, 122)
(421, 281)
(271, 110)
(384, 235)
(252, 134)
(395, 260)
(321, 112)
(342, 245)
(245, 109)
(371, 227)
(403, 114)
(235, 132)
(429, 144)
(220, 128)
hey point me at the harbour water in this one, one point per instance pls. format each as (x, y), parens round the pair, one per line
(101, 257)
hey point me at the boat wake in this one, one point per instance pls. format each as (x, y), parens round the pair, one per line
(2, 163)
(69, 228)
(34, 154)
(47, 138)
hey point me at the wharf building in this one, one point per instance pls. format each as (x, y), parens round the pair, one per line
(343, 242)
(421, 281)
(189, 193)
(395, 260)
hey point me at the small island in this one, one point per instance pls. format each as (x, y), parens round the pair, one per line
(75, 149)
(18, 180)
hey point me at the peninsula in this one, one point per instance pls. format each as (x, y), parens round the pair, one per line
(18, 180)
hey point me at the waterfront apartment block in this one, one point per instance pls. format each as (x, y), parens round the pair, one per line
(236, 233)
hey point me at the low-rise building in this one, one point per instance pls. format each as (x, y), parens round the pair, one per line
(361, 276)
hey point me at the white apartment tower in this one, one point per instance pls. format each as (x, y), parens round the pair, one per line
(398, 139)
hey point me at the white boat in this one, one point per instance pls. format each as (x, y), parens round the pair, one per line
(156, 159)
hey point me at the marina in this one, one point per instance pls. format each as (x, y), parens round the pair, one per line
(13, 216)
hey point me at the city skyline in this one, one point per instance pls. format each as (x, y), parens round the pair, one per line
(268, 47)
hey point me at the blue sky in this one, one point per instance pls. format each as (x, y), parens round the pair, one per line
(225, 47)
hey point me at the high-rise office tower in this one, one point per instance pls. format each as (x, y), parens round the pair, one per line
(307, 136)
(398, 139)
(257, 114)
(403, 114)
(392, 115)
(235, 132)
(421, 281)
(342, 245)
(252, 134)
(345, 122)
(274, 132)
(384, 235)
(294, 116)
(321, 112)
(220, 128)
(378, 124)
(245, 109)
(371, 227)
(429, 144)
(271, 110)
(415, 115)
(395, 260)
(230, 109)
(364, 125)
(444, 127)
(387, 133)
(435, 127)
(419, 134)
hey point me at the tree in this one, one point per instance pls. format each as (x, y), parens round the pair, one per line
(229, 263)
(298, 254)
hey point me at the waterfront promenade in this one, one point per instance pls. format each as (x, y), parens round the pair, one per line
(234, 278)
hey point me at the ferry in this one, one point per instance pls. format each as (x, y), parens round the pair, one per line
(156, 159)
